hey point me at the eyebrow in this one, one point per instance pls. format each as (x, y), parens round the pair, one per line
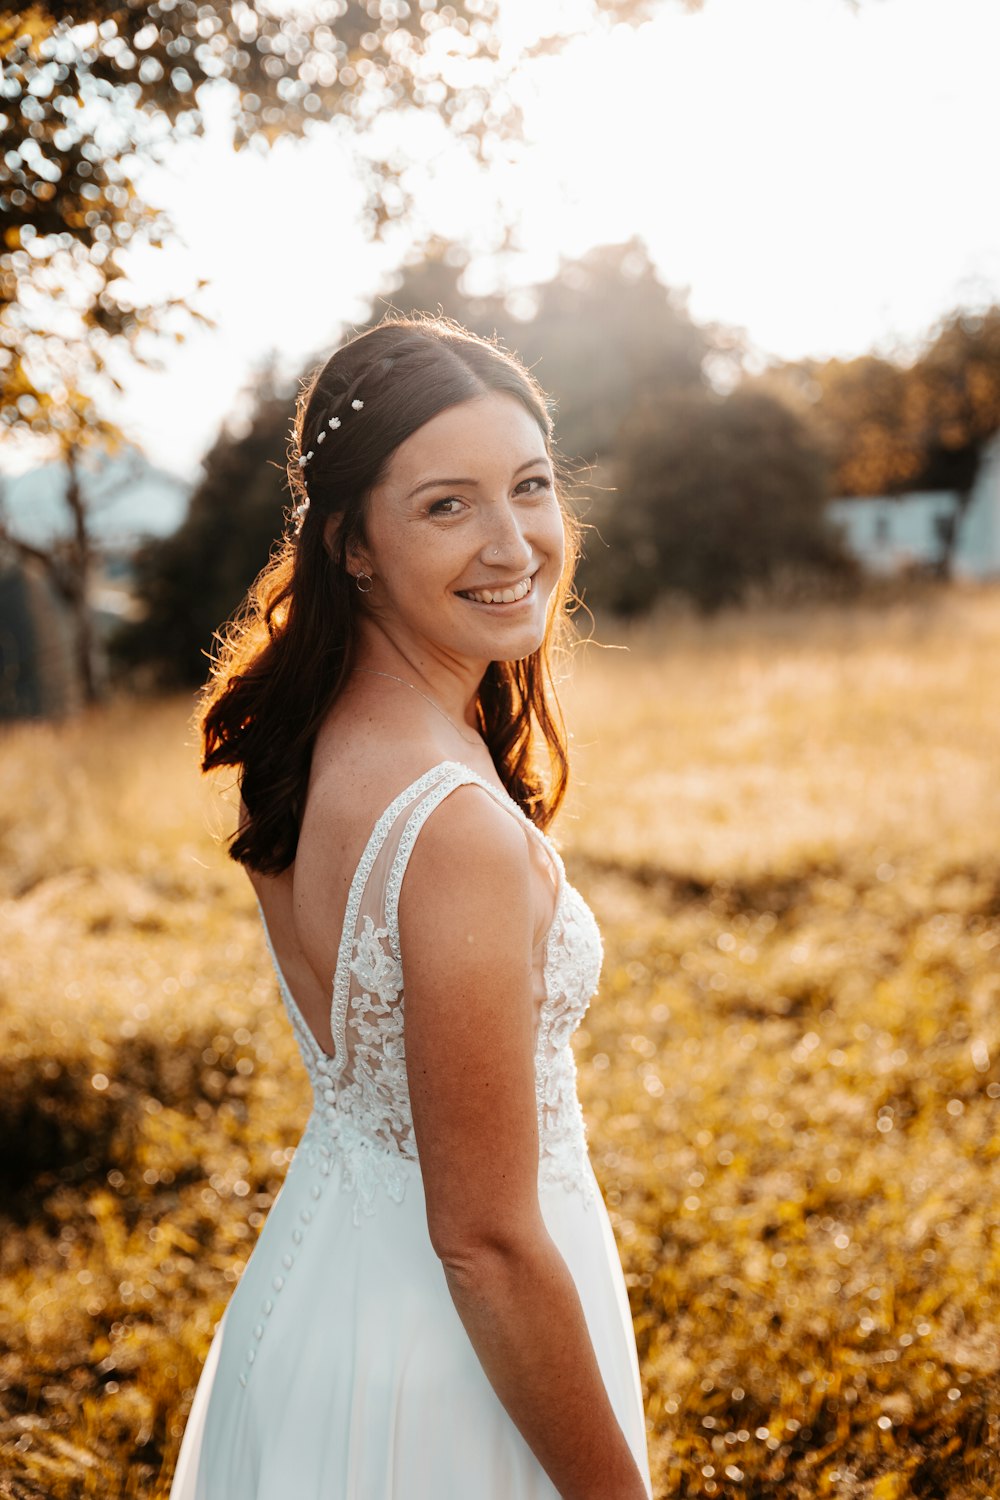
(433, 484)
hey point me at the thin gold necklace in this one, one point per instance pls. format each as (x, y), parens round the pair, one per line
(451, 721)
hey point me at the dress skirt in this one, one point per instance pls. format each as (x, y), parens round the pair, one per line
(340, 1369)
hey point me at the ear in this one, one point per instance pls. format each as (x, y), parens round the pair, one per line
(356, 558)
(331, 531)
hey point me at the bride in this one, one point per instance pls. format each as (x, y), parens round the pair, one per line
(435, 1308)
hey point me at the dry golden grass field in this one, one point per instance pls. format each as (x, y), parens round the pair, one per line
(787, 824)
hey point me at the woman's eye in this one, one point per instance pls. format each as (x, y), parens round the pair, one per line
(542, 481)
(435, 510)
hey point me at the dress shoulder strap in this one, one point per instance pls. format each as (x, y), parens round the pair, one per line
(455, 774)
(369, 951)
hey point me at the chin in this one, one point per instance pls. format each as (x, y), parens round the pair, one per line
(516, 648)
(501, 645)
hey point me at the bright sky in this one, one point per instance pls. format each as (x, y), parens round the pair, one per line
(822, 175)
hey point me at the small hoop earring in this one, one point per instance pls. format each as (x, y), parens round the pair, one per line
(371, 582)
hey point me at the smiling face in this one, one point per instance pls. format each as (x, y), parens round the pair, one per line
(465, 536)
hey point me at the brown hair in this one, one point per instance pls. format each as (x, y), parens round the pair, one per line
(282, 661)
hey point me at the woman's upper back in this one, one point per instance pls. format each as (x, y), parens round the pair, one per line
(360, 769)
(333, 924)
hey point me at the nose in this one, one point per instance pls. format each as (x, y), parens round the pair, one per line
(506, 545)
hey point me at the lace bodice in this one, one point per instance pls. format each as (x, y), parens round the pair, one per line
(362, 1108)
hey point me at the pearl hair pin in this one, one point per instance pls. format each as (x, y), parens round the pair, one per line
(333, 423)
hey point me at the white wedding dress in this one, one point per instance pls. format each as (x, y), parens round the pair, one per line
(340, 1369)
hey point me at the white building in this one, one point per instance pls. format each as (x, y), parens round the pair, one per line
(889, 534)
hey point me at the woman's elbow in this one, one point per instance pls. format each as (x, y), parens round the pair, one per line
(473, 1249)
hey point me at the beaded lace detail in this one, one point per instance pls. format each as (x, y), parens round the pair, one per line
(361, 1117)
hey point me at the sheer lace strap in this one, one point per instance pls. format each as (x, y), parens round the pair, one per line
(517, 811)
(368, 957)
(457, 775)
(365, 909)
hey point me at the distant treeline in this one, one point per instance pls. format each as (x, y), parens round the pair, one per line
(695, 477)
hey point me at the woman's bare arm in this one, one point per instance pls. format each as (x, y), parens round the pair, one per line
(465, 918)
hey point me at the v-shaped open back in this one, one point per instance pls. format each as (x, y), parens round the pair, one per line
(361, 1088)
(372, 904)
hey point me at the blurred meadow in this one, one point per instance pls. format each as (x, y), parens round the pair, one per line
(774, 370)
(785, 821)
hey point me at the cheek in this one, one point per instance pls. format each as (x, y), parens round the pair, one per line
(555, 539)
(413, 566)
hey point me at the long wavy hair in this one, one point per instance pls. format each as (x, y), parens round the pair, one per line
(281, 662)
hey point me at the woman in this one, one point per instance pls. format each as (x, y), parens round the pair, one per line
(435, 1309)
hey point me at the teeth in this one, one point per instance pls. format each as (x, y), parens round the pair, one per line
(502, 596)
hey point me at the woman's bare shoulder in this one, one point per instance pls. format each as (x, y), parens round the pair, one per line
(471, 854)
(365, 756)
(352, 784)
(354, 780)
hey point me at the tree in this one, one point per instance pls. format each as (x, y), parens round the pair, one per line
(890, 427)
(713, 495)
(597, 334)
(954, 391)
(68, 563)
(431, 280)
(190, 582)
(861, 412)
(606, 330)
(92, 88)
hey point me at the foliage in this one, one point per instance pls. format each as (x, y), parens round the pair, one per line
(862, 410)
(712, 496)
(93, 89)
(892, 426)
(597, 334)
(956, 398)
(603, 331)
(785, 824)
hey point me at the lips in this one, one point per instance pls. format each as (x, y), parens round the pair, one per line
(500, 594)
